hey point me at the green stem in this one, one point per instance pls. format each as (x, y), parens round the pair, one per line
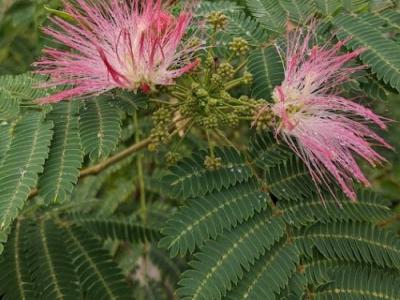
(139, 165)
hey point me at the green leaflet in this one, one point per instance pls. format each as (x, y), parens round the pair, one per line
(273, 14)
(328, 7)
(100, 127)
(240, 24)
(353, 241)
(266, 66)
(51, 266)
(369, 207)
(270, 274)
(99, 275)
(16, 90)
(360, 282)
(15, 279)
(61, 169)
(22, 163)
(224, 6)
(116, 228)
(189, 178)
(207, 217)
(382, 53)
(221, 263)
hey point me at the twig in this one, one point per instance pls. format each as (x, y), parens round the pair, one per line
(93, 170)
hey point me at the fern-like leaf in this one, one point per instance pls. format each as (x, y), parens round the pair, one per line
(360, 283)
(266, 152)
(327, 7)
(266, 66)
(206, 7)
(290, 180)
(270, 273)
(50, 264)
(100, 277)
(15, 90)
(189, 178)
(369, 207)
(15, 278)
(117, 228)
(273, 14)
(6, 134)
(128, 102)
(207, 217)
(22, 163)
(382, 53)
(269, 13)
(100, 127)
(61, 169)
(240, 24)
(221, 262)
(353, 241)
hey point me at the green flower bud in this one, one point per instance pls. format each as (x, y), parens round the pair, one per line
(239, 46)
(217, 20)
(212, 163)
(226, 70)
(172, 157)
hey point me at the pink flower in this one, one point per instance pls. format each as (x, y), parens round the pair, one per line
(324, 129)
(116, 44)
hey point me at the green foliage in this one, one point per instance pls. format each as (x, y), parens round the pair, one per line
(100, 127)
(266, 66)
(117, 229)
(240, 24)
(15, 279)
(369, 207)
(207, 217)
(15, 91)
(381, 54)
(327, 7)
(270, 274)
(62, 167)
(362, 282)
(98, 274)
(353, 241)
(189, 178)
(262, 256)
(82, 217)
(51, 266)
(273, 15)
(222, 261)
(23, 161)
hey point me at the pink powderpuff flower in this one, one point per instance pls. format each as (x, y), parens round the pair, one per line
(324, 129)
(132, 45)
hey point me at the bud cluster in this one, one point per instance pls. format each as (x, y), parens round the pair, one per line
(239, 46)
(264, 117)
(172, 157)
(217, 20)
(160, 134)
(212, 163)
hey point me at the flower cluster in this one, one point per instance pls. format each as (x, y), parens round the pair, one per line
(320, 126)
(126, 44)
(136, 45)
